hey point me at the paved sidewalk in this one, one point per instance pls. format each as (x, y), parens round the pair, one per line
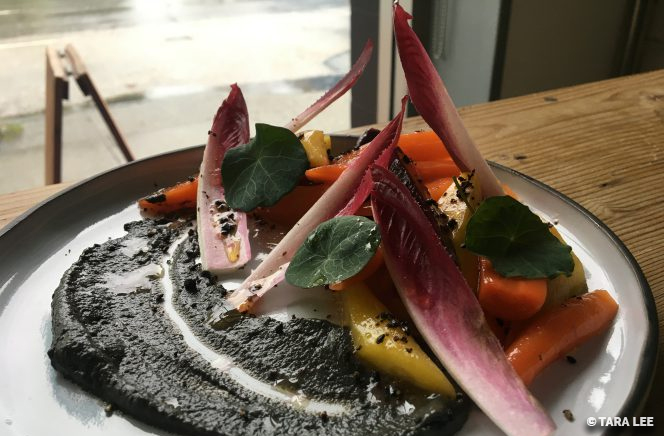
(164, 81)
(151, 126)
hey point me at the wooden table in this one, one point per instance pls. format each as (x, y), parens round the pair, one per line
(601, 144)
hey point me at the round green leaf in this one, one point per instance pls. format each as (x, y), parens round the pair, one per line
(516, 241)
(261, 172)
(336, 250)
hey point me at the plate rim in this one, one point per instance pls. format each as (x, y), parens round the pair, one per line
(645, 376)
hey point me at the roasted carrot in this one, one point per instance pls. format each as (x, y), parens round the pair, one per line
(498, 326)
(429, 170)
(554, 332)
(178, 197)
(293, 205)
(514, 329)
(369, 269)
(438, 186)
(326, 174)
(425, 148)
(421, 146)
(511, 299)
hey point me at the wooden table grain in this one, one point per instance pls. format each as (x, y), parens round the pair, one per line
(601, 144)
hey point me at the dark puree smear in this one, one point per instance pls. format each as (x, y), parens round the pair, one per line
(112, 337)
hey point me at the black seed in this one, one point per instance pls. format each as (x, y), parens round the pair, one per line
(190, 285)
(156, 198)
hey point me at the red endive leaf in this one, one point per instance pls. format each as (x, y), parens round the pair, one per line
(338, 199)
(363, 190)
(434, 104)
(230, 128)
(446, 312)
(339, 89)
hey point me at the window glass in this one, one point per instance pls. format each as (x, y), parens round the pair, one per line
(163, 67)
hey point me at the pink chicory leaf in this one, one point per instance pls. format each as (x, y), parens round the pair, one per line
(222, 234)
(434, 104)
(363, 190)
(447, 313)
(339, 89)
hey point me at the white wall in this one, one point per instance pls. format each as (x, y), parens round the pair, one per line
(463, 47)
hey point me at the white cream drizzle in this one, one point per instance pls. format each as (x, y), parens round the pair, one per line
(225, 364)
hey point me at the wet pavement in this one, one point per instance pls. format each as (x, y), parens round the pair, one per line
(164, 71)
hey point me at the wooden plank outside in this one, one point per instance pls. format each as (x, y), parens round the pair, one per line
(88, 87)
(57, 89)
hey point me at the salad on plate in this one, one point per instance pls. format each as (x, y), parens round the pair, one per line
(293, 288)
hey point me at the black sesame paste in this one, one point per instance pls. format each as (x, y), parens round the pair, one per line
(120, 345)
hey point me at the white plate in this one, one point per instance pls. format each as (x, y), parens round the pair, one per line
(612, 375)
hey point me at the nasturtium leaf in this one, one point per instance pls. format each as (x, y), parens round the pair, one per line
(261, 172)
(336, 250)
(516, 241)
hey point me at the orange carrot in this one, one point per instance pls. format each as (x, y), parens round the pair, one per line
(425, 148)
(325, 174)
(293, 205)
(553, 333)
(438, 186)
(421, 146)
(498, 326)
(369, 269)
(511, 299)
(175, 198)
(514, 329)
(429, 170)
